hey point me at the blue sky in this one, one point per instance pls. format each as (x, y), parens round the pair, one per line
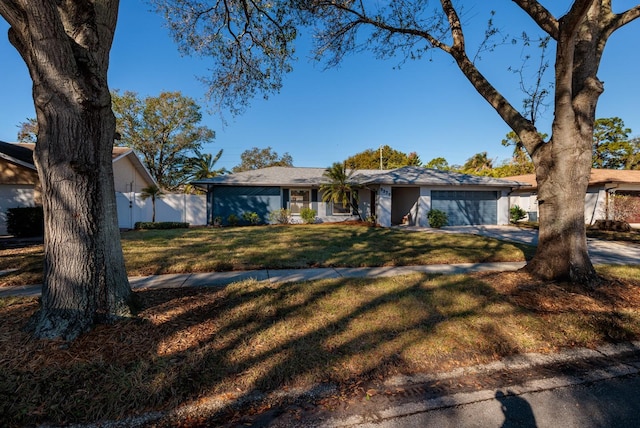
(320, 116)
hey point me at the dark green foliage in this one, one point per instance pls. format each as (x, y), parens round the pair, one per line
(437, 218)
(161, 225)
(25, 222)
(233, 220)
(251, 217)
(516, 214)
(308, 215)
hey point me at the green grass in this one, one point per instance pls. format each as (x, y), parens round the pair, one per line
(152, 252)
(196, 345)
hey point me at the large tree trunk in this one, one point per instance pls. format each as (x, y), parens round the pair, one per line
(562, 184)
(66, 48)
(563, 165)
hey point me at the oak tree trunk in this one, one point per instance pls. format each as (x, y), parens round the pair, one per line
(562, 184)
(563, 165)
(66, 48)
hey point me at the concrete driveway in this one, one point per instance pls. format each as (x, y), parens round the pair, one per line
(601, 252)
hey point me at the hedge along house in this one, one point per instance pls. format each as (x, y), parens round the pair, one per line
(393, 197)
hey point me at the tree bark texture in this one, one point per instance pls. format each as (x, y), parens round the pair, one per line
(66, 45)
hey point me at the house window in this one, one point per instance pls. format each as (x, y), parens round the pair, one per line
(299, 199)
(338, 208)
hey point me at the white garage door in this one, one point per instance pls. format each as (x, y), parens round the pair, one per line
(13, 196)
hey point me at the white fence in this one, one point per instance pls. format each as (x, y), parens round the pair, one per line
(190, 209)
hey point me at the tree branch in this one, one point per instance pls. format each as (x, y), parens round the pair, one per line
(12, 12)
(541, 16)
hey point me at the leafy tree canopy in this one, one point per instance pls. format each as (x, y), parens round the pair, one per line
(478, 164)
(257, 158)
(611, 146)
(163, 130)
(384, 157)
(439, 163)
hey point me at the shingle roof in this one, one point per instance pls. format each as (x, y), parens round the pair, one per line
(415, 175)
(17, 152)
(272, 176)
(597, 176)
(294, 176)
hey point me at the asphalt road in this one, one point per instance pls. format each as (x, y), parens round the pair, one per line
(607, 403)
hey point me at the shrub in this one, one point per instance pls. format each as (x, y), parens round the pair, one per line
(25, 222)
(233, 219)
(516, 214)
(613, 225)
(251, 217)
(160, 225)
(281, 216)
(308, 215)
(437, 218)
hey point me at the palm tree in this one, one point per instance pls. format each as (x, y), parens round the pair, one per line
(477, 164)
(153, 192)
(203, 166)
(340, 189)
(200, 167)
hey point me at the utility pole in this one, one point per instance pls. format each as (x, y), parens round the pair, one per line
(380, 157)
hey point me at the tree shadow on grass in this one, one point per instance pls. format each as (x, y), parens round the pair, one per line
(221, 349)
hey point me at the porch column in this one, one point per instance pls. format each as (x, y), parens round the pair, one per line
(503, 207)
(424, 206)
(384, 206)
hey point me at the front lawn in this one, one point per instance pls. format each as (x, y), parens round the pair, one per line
(213, 348)
(153, 252)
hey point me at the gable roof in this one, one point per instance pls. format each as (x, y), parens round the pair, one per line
(408, 175)
(597, 176)
(22, 154)
(17, 153)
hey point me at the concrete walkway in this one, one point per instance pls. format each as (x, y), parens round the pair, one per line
(219, 279)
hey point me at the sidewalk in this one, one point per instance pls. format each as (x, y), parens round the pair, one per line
(219, 279)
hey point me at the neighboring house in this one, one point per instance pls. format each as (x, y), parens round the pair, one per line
(19, 183)
(20, 186)
(603, 183)
(403, 195)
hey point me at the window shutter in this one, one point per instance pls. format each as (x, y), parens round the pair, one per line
(285, 198)
(314, 195)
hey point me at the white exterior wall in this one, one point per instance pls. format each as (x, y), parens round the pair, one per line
(424, 206)
(384, 206)
(503, 207)
(126, 178)
(595, 205)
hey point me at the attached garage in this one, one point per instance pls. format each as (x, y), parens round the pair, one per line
(466, 208)
(227, 200)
